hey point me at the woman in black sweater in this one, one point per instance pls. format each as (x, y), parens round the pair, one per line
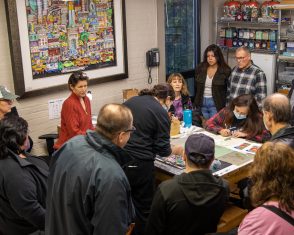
(23, 181)
(151, 138)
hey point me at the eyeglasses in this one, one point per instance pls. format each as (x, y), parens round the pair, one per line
(132, 129)
(241, 58)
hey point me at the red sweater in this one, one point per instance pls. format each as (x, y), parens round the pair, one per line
(74, 119)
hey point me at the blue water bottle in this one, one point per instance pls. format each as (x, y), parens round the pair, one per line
(187, 118)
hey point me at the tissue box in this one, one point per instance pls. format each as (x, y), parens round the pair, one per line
(128, 93)
(175, 127)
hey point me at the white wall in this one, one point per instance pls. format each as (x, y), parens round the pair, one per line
(141, 19)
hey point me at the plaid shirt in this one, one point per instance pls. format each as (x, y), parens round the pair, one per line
(252, 80)
(216, 123)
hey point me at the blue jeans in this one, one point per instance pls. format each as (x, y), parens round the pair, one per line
(208, 108)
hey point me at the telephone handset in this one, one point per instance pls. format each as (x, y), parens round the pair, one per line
(152, 60)
(152, 57)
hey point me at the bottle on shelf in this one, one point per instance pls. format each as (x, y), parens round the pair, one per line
(231, 9)
(268, 13)
(250, 10)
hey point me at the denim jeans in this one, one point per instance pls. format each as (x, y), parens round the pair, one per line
(208, 108)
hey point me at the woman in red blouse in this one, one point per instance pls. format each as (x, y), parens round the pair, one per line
(76, 110)
(241, 119)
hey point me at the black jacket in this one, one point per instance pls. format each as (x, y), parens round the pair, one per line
(152, 129)
(285, 135)
(23, 188)
(219, 87)
(189, 204)
(88, 191)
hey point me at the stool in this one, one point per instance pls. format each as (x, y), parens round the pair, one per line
(231, 218)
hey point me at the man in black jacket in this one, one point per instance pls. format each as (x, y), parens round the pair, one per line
(88, 191)
(276, 117)
(193, 202)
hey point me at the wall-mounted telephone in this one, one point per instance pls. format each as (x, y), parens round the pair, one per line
(152, 60)
(152, 57)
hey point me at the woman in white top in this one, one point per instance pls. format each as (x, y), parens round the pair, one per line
(211, 82)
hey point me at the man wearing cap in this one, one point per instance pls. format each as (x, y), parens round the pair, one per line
(193, 202)
(6, 109)
(6, 100)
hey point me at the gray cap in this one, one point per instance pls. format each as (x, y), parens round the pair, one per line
(5, 94)
(199, 148)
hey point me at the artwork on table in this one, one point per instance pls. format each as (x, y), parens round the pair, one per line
(56, 37)
(242, 146)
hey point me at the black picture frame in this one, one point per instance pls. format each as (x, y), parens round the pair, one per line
(15, 41)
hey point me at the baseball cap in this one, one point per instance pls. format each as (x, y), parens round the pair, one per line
(6, 94)
(199, 148)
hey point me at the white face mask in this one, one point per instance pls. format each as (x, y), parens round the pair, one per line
(239, 116)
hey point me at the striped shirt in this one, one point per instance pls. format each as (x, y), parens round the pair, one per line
(252, 81)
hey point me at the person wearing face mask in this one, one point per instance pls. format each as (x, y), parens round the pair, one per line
(76, 116)
(151, 138)
(277, 116)
(241, 119)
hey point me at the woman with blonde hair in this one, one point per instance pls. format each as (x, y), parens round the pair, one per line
(272, 192)
(182, 100)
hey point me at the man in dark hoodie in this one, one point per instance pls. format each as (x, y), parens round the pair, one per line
(193, 202)
(277, 116)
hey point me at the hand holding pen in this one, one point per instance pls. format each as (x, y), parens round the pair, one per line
(225, 132)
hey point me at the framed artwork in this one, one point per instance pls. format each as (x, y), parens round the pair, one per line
(50, 39)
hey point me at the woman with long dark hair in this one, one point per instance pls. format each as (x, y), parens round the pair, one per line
(241, 118)
(151, 138)
(23, 181)
(272, 192)
(211, 82)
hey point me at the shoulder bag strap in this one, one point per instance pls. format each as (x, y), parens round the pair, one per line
(280, 213)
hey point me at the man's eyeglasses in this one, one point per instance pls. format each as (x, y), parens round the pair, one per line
(132, 129)
(241, 58)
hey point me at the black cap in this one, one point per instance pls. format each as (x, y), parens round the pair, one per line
(199, 148)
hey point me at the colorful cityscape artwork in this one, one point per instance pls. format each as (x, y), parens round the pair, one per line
(71, 35)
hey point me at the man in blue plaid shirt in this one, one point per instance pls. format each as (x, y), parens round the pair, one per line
(246, 78)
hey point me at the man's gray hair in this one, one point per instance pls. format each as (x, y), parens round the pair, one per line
(279, 105)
